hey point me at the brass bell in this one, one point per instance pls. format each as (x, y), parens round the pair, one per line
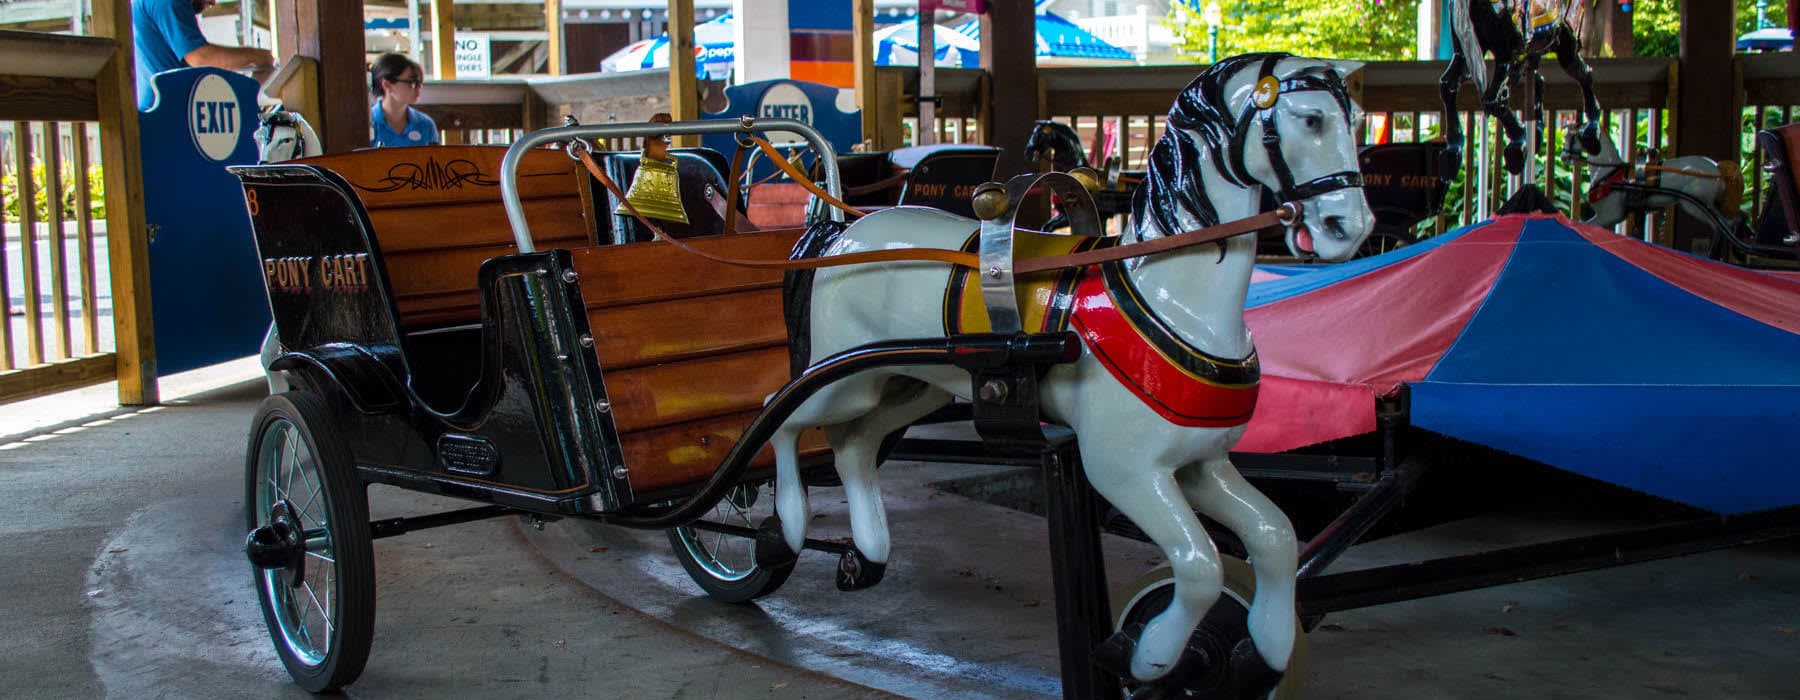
(656, 188)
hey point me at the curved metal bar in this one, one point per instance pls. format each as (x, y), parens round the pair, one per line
(967, 351)
(509, 166)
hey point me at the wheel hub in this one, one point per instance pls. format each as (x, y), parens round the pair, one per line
(281, 544)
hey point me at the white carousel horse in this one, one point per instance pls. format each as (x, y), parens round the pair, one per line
(1699, 177)
(1156, 472)
(281, 136)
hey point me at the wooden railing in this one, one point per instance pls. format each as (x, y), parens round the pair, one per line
(53, 281)
(1771, 99)
(1125, 106)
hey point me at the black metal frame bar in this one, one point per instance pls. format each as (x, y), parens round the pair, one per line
(741, 531)
(392, 527)
(1077, 561)
(1390, 584)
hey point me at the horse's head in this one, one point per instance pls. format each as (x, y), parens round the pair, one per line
(1284, 123)
(284, 135)
(1057, 140)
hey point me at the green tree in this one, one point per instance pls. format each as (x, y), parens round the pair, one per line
(1656, 24)
(1352, 29)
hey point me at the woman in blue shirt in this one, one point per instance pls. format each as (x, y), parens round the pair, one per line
(395, 81)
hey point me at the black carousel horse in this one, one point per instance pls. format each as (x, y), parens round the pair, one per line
(1518, 33)
(1058, 141)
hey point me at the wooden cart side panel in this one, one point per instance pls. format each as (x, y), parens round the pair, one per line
(687, 454)
(643, 334)
(437, 212)
(433, 176)
(689, 349)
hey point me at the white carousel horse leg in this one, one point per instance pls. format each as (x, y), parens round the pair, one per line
(855, 445)
(1217, 489)
(1150, 496)
(791, 506)
(846, 400)
(271, 348)
(1608, 212)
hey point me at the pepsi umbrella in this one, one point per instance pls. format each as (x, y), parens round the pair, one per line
(713, 51)
(1061, 42)
(1563, 343)
(898, 45)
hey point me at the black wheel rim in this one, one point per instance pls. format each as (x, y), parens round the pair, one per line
(723, 556)
(303, 597)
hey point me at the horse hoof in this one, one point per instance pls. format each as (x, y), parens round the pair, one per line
(1114, 655)
(1590, 140)
(771, 547)
(1515, 159)
(1251, 675)
(855, 572)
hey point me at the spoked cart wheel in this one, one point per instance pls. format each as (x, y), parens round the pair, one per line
(309, 542)
(725, 564)
(1205, 671)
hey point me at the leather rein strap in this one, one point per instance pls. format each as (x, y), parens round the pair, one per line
(1283, 216)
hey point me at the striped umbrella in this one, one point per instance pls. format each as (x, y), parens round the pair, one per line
(1563, 343)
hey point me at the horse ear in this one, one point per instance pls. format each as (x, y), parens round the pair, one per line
(1345, 69)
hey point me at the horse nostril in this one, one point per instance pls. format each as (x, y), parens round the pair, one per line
(1335, 225)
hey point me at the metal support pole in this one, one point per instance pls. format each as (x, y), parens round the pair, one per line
(1083, 610)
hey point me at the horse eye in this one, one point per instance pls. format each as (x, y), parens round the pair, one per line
(1313, 122)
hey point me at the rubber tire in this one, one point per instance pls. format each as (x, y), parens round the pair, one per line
(347, 506)
(759, 581)
(1240, 583)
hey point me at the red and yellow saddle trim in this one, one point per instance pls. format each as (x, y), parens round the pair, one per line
(1181, 383)
(1044, 297)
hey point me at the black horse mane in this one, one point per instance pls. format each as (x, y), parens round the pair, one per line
(1201, 108)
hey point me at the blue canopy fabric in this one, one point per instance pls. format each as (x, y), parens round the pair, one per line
(1059, 38)
(1566, 344)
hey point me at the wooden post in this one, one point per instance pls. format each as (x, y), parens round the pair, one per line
(862, 29)
(553, 28)
(684, 88)
(1615, 28)
(330, 33)
(127, 242)
(1009, 56)
(928, 126)
(1706, 110)
(443, 39)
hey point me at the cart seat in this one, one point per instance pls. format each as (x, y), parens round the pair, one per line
(701, 172)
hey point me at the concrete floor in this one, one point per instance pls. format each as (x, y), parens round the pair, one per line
(119, 556)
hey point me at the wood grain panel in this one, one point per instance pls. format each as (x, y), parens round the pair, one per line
(631, 336)
(643, 272)
(659, 395)
(442, 270)
(470, 224)
(432, 176)
(33, 98)
(688, 454)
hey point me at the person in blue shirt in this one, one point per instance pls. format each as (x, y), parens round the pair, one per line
(166, 35)
(395, 81)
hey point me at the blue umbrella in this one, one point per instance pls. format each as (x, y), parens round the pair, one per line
(1060, 40)
(898, 45)
(1770, 39)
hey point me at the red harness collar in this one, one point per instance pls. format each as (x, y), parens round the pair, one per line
(1604, 188)
(1182, 384)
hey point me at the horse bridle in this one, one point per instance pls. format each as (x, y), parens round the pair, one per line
(1261, 106)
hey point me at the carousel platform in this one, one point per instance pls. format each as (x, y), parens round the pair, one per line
(122, 556)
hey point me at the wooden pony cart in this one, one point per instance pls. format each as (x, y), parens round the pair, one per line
(462, 324)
